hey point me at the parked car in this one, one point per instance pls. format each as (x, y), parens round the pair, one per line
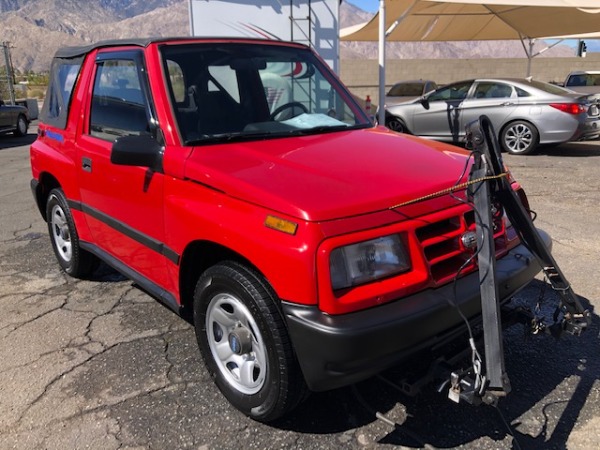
(525, 113)
(405, 91)
(239, 183)
(585, 82)
(13, 119)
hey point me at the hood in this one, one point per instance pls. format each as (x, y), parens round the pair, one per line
(328, 176)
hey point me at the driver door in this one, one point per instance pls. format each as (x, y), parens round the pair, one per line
(440, 114)
(123, 204)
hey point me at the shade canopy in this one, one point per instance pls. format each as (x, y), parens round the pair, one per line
(470, 20)
(467, 20)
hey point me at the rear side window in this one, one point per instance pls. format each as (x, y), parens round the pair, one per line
(487, 90)
(63, 78)
(118, 103)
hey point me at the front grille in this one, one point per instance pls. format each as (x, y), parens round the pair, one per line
(443, 250)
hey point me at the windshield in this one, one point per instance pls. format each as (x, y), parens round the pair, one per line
(224, 91)
(583, 79)
(406, 90)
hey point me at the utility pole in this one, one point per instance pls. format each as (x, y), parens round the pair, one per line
(9, 71)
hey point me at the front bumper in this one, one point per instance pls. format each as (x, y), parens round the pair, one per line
(336, 351)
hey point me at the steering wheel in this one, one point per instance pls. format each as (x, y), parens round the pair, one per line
(285, 106)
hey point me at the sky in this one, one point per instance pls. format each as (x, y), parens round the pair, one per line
(366, 5)
(372, 6)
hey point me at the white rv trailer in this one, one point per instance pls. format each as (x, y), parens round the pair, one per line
(311, 22)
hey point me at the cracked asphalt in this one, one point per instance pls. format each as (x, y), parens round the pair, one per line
(99, 364)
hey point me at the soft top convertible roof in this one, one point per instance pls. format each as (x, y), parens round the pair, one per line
(75, 52)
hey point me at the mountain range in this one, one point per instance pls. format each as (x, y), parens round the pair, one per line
(36, 28)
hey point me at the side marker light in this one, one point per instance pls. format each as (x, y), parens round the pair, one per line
(282, 225)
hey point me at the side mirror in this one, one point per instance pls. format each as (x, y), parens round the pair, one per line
(142, 150)
(424, 101)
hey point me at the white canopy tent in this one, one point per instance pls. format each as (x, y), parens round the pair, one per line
(464, 20)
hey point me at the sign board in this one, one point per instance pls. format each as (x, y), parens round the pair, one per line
(311, 22)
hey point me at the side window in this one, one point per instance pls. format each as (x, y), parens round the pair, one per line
(493, 90)
(118, 104)
(483, 90)
(457, 91)
(60, 89)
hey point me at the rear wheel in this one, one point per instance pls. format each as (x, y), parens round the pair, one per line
(75, 261)
(22, 125)
(244, 342)
(519, 138)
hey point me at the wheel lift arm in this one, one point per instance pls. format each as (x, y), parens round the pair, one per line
(474, 386)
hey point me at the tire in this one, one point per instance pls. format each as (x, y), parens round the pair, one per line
(395, 124)
(22, 126)
(519, 138)
(244, 342)
(65, 241)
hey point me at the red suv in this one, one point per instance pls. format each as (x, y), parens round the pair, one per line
(239, 181)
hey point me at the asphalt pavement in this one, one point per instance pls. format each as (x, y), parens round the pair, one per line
(98, 364)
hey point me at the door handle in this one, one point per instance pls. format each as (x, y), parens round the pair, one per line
(507, 104)
(86, 164)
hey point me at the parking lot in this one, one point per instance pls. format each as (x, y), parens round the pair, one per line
(101, 365)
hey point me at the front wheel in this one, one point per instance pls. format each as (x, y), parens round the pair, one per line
(65, 242)
(396, 124)
(519, 138)
(244, 342)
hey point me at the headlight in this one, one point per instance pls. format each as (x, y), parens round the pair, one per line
(367, 261)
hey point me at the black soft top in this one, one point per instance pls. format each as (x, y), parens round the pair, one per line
(75, 52)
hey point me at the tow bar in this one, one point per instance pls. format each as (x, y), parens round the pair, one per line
(486, 385)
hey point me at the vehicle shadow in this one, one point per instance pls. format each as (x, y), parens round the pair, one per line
(551, 380)
(574, 149)
(10, 141)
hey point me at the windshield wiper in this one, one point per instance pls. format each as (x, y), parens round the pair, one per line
(329, 128)
(265, 134)
(236, 136)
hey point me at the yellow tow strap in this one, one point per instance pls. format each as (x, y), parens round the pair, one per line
(455, 188)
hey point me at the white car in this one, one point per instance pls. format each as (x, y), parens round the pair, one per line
(585, 82)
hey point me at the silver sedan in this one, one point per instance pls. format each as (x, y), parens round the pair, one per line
(524, 113)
